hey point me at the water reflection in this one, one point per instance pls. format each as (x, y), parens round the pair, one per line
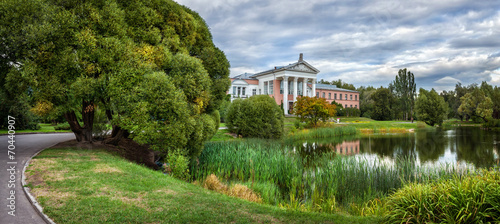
(464, 145)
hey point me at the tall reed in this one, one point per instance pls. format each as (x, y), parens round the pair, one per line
(276, 166)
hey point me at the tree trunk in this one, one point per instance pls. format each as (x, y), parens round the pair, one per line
(117, 133)
(82, 134)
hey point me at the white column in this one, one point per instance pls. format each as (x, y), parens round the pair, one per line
(295, 88)
(313, 87)
(285, 94)
(304, 87)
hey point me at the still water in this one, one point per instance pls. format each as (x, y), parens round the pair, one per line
(471, 146)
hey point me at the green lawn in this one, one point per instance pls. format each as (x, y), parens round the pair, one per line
(45, 128)
(221, 136)
(94, 186)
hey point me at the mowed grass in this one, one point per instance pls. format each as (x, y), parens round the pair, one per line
(222, 135)
(92, 186)
(366, 125)
(45, 128)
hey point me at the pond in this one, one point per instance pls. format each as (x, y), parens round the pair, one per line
(470, 146)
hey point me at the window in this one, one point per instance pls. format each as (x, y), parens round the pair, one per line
(260, 91)
(355, 97)
(345, 96)
(317, 94)
(329, 96)
(351, 105)
(345, 106)
(243, 91)
(271, 87)
(290, 87)
(239, 91)
(281, 86)
(323, 95)
(356, 106)
(254, 92)
(335, 96)
(265, 88)
(234, 90)
(351, 96)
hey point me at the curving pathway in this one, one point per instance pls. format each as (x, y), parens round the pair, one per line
(11, 173)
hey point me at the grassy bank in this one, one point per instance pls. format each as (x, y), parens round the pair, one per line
(92, 186)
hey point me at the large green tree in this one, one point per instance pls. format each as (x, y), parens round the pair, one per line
(476, 104)
(383, 102)
(431, 107)
(123, 56)
(404, 89)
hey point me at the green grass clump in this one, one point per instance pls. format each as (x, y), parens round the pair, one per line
(473, 198)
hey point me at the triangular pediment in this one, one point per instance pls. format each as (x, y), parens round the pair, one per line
(239, 82)
(302, 67)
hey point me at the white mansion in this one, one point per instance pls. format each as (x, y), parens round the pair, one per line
(297, 79)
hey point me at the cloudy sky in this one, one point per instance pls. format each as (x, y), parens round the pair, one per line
(362, 42)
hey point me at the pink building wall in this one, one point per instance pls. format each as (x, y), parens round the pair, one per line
(354, 102)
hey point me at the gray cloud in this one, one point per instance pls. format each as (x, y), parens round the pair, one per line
(362, 42)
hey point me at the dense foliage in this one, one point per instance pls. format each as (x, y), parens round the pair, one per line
(383, 102)
(125, 57)
(471, 199)
(430, 107)
(313, 110)
(258, 116)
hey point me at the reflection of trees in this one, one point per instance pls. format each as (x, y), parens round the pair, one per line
(476, 146)
(471, 144)
(389, 145)
(431, 144)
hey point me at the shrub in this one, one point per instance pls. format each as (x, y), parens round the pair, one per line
(223, 110)
(33, 126)
(259, 116)
(178, 165)
(313, 110)
(63, 126)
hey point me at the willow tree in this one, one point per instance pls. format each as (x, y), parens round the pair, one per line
(105, 54)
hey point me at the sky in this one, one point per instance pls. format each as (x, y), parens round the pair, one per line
(362, 42)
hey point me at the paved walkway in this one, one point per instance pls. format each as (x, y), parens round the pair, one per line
(11, 173)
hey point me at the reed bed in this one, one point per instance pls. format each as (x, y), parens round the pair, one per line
(326, 132)
(281, 176)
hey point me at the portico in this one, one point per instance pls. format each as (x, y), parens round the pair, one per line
(293, 80)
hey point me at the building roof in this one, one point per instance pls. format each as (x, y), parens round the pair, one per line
(300, 65)
(244, 76)
(332, 87)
